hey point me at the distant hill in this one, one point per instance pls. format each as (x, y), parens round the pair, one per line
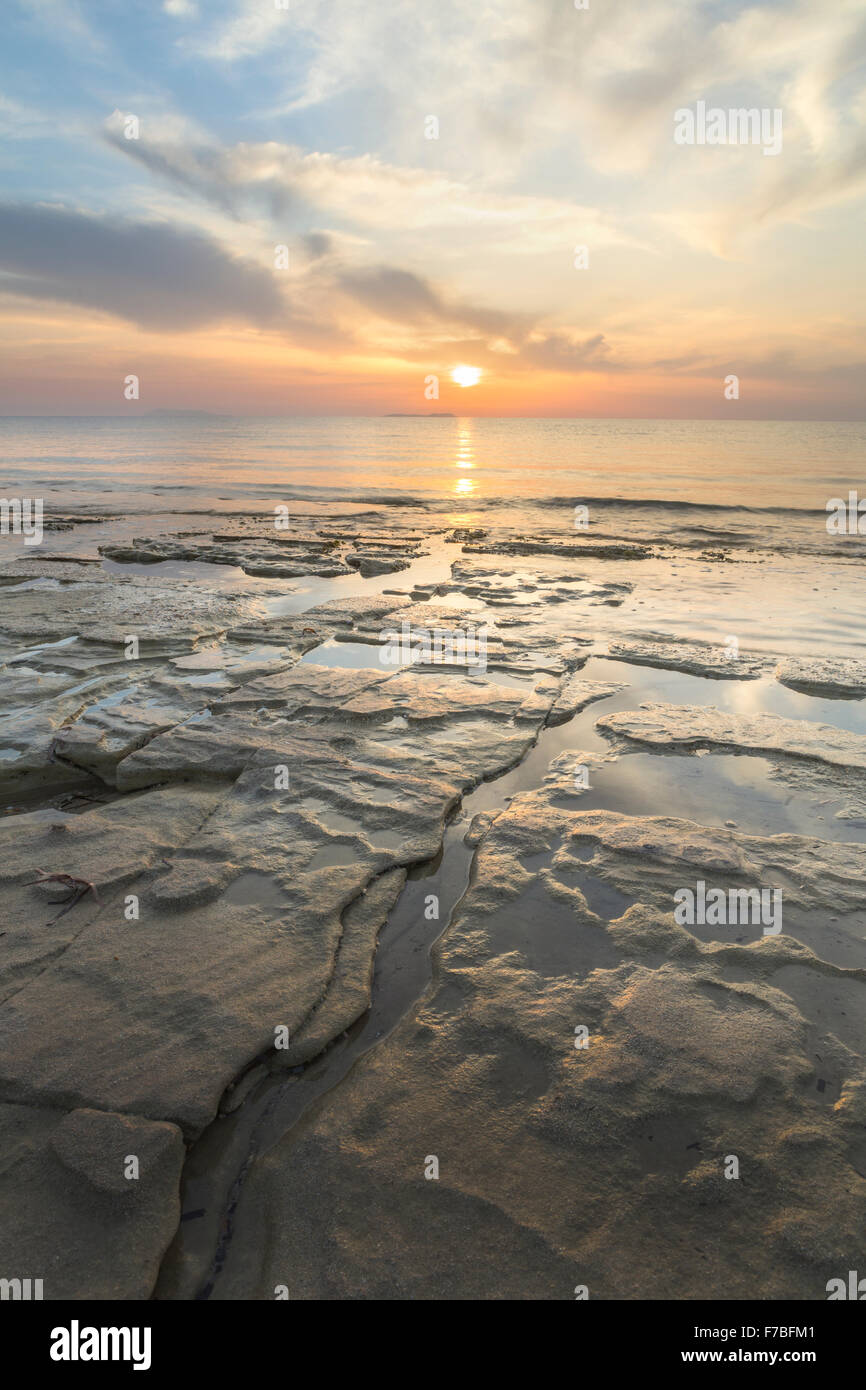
(417, 415)
(184, 415)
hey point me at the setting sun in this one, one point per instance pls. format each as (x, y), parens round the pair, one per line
(466, 376)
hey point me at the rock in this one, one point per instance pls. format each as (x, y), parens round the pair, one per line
(239, 1090)
(349, 991)
(478, 828)
(694, 1051)
(692, 726)
(68, 1218)
(98, 1145)
(110, 845)
(254, 554)
(369, 563)
(596, 550)
(102, 737)
(691, 657)
(576, 694)
(832, 677)
(242, 923)
(306, 689)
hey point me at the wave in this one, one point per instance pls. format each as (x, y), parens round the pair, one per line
(671, 504)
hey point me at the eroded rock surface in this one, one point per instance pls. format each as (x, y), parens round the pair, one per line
(604, 1164)
(720, 663)
(692, 726)
(71, 1215)
(836, 677)
(239, 893)
(256, 818)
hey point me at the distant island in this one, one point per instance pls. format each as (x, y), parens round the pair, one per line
(417, 415)
(184, 414)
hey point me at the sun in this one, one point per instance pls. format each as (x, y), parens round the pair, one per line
(466, 376)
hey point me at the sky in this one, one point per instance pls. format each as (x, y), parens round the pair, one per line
(327, 208)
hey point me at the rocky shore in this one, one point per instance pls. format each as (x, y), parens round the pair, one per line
(355, 981)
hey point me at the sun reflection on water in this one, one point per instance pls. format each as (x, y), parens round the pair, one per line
(464, 486)
(464, 458)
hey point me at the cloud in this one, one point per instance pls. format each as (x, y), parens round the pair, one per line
(801, 190)
(439, 327)
(64, 20)
(407, 298)
(555, 130)
(18, 122)
(158, 276)
(254, 26)
(366, 191)
(559, 353)
(593, 88)
(318, 244)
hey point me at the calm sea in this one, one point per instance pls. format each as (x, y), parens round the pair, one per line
(692, 482)
(756, 491)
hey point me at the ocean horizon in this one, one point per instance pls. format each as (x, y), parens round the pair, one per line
(479, 461)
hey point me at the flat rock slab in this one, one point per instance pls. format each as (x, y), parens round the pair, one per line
(307, 688)
(109, 847)
(248, 910)
(602, 1164)
(103, 736)
(703, 726)
(588, 550)
(254, 555)
(530, 586)
(833, 677)
(369, 563)
(692, 658)
(648, 857)
(68, 1213)
(576, 694)
(168, 618)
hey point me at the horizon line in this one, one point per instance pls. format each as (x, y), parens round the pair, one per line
(191, 413)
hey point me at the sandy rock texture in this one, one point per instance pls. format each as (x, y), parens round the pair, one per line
(601, 1165)
(156, 944)
(71, 1216)
(690, 726)
(836, 677)
(203, 843)
(695, 659)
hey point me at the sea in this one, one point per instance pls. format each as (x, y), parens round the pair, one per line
(757, 492)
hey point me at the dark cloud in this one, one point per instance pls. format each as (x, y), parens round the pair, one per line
(198, 171)
(393, 294)
(205, 170)
(158, 276)
(561, 354)
(404, 297)
(170, 279)
(317, 245)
